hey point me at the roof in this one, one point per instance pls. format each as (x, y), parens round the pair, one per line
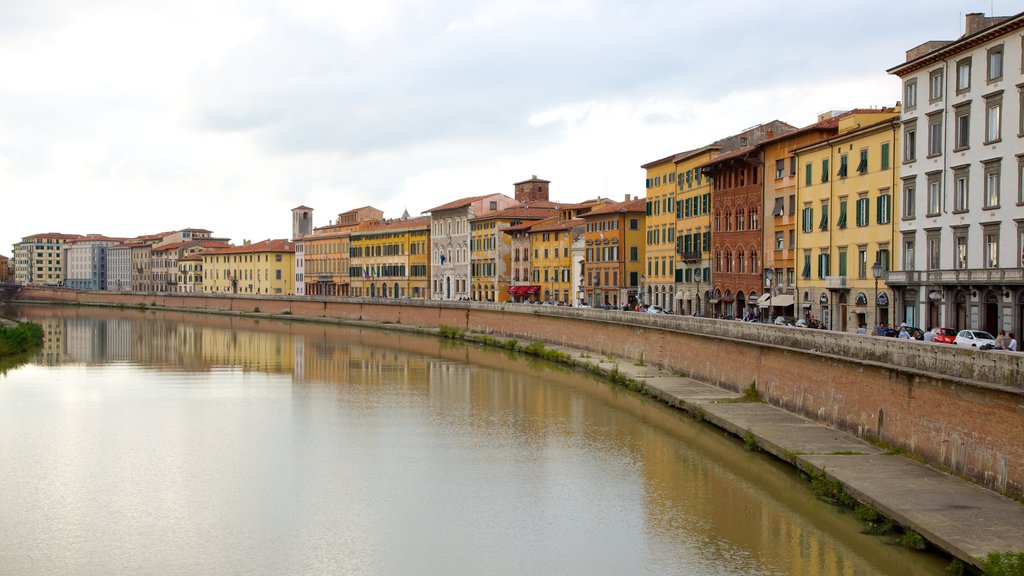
(730, 155)
(533, 179)
(664, 160)
(96, 238)
(967, 42)
(264, 246)
(387, 226)
(556, 223)
(522, 211)
(55, 235)
(826, 124)
(854, 133)
(192, 258)
(460, 203)
(301, 207)
(637, 205)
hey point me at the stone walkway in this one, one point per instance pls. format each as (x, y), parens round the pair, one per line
(962, 518)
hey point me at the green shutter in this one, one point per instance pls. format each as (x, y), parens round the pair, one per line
(842, 215)
(807, 267)
(842, 263)
(807, 174)
(885, 156)
(824, 218)
(824, 170)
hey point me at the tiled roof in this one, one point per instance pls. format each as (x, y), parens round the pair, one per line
(302, 207)
(556, 223)
(54, 235)
(534, 179)
(419, 222)
(460, 203)
(96, 238)
(637, 205)
(730, 155)
(264, 246)
(521, 211)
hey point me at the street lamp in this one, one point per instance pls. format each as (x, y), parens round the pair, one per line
(876, 271)
(769, 274)
(640, 292)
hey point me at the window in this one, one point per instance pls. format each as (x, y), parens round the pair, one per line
(806, 272)
(807, 167)
(995, 63)
(884, 209)
(494, 205)
(885, 156)
(808, 219)
(824, 216)
(908, 198)
(780, 168)
(909, 141)
(841, 223)
(934, 249)
(842, 261)
(961, 189)
(993, 118)
(960, 248)
(862, 262)
(934, 195)
(963, 75)
(934, 134)
(908, 252)
(992, 246)
(962, 127)
(753, 220)
(910, 94)
(863, 211)
(862, 165)
(824, 170)
(992, 184)
(935, 85)
(779, 242)
(1020, 182)
(823, 265)
(842, 166)
(780, 206)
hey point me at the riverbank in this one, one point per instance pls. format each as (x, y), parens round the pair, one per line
(18, 338)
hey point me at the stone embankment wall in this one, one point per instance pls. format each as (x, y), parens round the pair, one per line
(960, 409)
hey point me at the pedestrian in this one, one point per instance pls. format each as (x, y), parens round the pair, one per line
(1000, 343)
(879, 330)
(862, 329)
(1013, 343)
(929, 336)
(904, 335)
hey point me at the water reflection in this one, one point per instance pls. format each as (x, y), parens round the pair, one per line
(221, 444)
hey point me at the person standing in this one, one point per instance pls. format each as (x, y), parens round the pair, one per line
(1013, 343)
(904, 335)
(862, 329)
(929, 336)
(1000, 343)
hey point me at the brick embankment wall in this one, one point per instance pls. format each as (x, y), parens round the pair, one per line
(960, 409)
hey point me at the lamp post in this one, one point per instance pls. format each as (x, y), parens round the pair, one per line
(640, 292)
(876, 271)
(769, 274)
(698, 296)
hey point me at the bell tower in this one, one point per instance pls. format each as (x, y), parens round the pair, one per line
(302, 222)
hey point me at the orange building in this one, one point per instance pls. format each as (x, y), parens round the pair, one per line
(614, 255)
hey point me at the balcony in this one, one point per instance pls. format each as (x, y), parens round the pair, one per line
(991, 276)
(690, 256)
(835, 282)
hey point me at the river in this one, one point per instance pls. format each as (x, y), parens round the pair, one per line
(164, 443)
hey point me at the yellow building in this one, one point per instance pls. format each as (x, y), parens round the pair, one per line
(325, 270)
(190, 274)
(551, 243)
(39, 259)
(615, 239)
(266, 267)
(846, 190)
(657, 283)
(390, 259)
(693, 231)
(491, 248)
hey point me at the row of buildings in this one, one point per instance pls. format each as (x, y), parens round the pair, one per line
(912, 213)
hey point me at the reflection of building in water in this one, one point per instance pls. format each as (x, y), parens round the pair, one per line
(247, 349)
(53, 350)
(363, 359)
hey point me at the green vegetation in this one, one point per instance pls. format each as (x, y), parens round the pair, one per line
(1004, 564)
(789, 456)
(751, 394)
(832, 491)
(956, 568)
(913, 540)
(450, 333)
(749, 442)
(20, 339)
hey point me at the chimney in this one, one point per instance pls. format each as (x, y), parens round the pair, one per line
(627, 198)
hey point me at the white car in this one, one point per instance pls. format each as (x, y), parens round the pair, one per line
(976, 338)
(655, 310)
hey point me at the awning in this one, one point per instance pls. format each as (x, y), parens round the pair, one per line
(681, 296)
(780, 300)
(521, 291)
(726, 299)
(762, 302)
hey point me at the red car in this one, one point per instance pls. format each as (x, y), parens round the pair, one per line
(945, 335)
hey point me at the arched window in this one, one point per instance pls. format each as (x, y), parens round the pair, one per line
(718, 261)
(739, 220)
(728, 261)
(741, 261)
(754, 222)
(718, 221)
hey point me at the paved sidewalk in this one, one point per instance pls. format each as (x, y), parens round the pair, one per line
(962, 518)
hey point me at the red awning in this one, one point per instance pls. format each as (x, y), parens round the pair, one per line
(520, 291)
(726, 299)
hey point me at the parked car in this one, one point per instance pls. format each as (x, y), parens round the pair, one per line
(976, 338)
(945, 335)
(655, 310)
(782, 321)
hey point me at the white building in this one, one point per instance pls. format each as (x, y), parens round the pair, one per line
(119, 268)
(302, 226)
(450, 272)
(86, 259)
(962, 228)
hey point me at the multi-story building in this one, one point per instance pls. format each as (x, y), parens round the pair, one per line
(737, 199)
(119, 267)
(302, 226)
(322, 255)
(693, 230)
(780, 209)
(849, 187)
(39, 259)
(6, 271)
(390, 259)
(450, 263)
(142, 264)
(266, 267)
(961, 226)
(491, 251)
(657, 283)
(86, 259)
(190, 274)
(615, 239)
(552, 241)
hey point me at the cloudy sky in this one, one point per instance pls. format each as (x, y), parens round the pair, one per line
(128, 117)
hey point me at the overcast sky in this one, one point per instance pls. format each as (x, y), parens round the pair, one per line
(128, 117)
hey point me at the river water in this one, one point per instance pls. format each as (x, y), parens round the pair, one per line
(144, 442)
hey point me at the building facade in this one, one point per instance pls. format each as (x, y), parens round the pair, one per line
(86, 259)
(693, 231)
(450, 263)
(846, 199)
(390, 259)
(491, 248)
(657, 283)
(39, 259)
(266, 268)
(962, 208)
(119, 268)
(552, 241)
(615, 240)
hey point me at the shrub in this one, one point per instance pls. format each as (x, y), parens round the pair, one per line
(20, 339)
(1004, 564)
